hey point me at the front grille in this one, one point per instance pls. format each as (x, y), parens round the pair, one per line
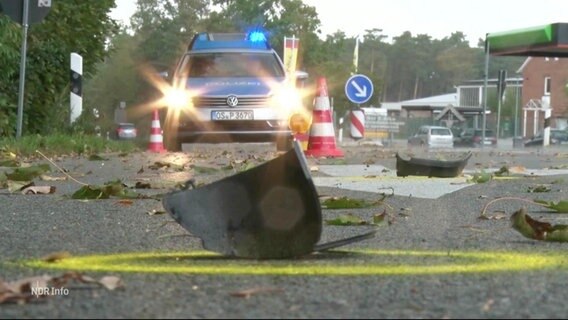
(221, 102)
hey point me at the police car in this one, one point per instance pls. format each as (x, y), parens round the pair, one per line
(231, 87)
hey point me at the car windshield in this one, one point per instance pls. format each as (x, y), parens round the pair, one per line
(441, 132)
(488, 133)
(126, 126)
(232, 64)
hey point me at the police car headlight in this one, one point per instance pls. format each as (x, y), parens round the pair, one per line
(178, 98)
(287, 99)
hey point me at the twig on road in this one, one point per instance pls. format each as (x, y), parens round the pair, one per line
(62, 171)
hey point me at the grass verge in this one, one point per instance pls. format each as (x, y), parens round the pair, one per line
(64, 144)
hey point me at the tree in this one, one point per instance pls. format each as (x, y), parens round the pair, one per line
(71, 26)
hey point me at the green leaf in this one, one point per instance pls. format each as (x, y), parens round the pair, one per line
(110, 189)
(204, 170)
(3, 180)
(10, 163)
(160, 164)
(14, 186)
(481, 177)
(559, 207)
(29, 173)
(90, 193)
(504, 170)
(538, 230)
(347, 220)
(379, 218)
(346, 203)
(96, 157)
(541, 188)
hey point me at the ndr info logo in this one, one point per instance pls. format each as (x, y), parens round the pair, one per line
(39, 291)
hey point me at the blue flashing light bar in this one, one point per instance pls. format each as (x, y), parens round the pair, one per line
(252, 40)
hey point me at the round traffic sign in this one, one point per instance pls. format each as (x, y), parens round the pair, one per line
(359, 88)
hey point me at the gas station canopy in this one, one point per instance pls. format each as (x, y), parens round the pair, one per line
(549, 40)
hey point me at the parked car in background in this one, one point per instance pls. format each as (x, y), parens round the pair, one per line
(432, 136)
(560, 135)
(126, 131)
(538, 140)
(474, 138)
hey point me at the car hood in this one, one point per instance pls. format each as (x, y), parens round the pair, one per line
(229, 86)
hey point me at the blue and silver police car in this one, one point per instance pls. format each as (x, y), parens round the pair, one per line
(231, 87)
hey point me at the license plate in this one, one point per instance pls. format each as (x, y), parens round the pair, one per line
(232, 115)
(487, 142)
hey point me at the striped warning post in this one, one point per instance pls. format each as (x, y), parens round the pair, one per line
(156, 137)
(321, 142)
(547, 115)
(357, 123)
(76, 98)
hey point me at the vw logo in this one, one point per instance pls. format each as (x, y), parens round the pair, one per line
(232, 101)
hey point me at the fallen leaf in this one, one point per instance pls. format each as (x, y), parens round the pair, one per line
(45, 177)
(39, 190)
(56, 256)
(517, 170)
(481, 177)
(537, 230)
(255, 291)
(140, 171)
(14, 186)
(504, 170)
(29, 173)
(380, 217)
(124, 202)
(10, 163)
(346, 203)
(539, 189)
(487, 306)
(347, 220)
(208, 170)
(111, 282)
(155, 212)
(497, 215)
(96, 157)
(559, 207)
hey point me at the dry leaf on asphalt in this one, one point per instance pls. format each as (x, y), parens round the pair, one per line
(517, 170)
(155, 212)
(538, 230)
(497, 215)
(255, 291)
(38, 190)
(124, 202)
(111, 282)
(45, 177)
(56, 256)
(20, 291)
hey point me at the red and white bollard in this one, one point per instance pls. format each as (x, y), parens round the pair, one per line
(357, 123)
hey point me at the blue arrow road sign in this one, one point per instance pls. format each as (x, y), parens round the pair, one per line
(359, 89)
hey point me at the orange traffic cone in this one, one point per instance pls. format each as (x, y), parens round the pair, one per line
(156, 138)
(322, 135)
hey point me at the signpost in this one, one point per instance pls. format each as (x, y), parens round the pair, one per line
(359, 89)
(24, 12)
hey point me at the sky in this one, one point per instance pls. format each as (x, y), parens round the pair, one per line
(437, 18)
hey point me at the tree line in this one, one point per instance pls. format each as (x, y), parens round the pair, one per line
(114, 56)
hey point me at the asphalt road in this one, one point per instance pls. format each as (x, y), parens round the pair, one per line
(435, 259)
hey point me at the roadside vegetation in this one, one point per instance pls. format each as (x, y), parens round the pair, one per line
(64, 144)
(118, 60)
